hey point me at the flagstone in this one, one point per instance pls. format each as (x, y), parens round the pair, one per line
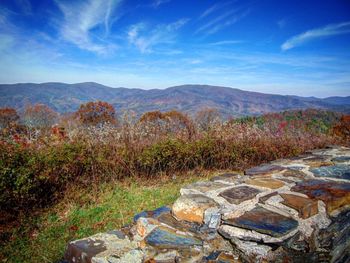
(294, 173)
(305, 206)
(317, 161)
(265, 182)
(336, 195)
(264, 221)
(191, 208)
(226, 177)
(102, 247)
(238, 194)
(334, 171)
(264, 169)
(153, 213)
(202, 187)
(165, 238)
(341, 159)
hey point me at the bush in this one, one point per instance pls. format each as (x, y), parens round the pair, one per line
(34, 173)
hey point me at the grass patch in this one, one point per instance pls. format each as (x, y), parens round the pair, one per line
(84, 212)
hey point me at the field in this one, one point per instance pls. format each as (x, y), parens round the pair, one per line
(94, 169)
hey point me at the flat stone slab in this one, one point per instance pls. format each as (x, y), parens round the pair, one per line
(335, 194)
(103, 248)
(264, 221)
(341, 159)
(305, 206)
(221, 257)
(264, 169)
(204, 187)
(317, 161)
(238, 194)
(171, 221)
(153, 213)
(191, 208)
(226, 177)
(333, 171)
(294, 173)
(265, 182)
(166, 238)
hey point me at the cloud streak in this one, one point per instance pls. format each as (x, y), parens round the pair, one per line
(144, 39)
(224, 20)
(212, 9)
(226, 42)
(81, 18)
(313, 34)
(157, 3)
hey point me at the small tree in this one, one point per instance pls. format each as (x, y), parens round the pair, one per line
(173, 122)
(8, 117)
(179, 121)
(39, 116)
(96, 113)
(207, 118)
(342, 128)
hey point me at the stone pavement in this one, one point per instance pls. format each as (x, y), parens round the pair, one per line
(291, 210)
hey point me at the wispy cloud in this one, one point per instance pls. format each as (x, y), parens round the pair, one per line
(5, 23)
(157, 3)
(226, 42)
(329, 30)
(144, 39)
(212, 9)
(224, 20)
(81, 18)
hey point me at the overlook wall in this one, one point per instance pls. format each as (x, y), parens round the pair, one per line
(291, 210)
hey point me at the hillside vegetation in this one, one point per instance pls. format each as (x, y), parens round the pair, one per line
(45, 157)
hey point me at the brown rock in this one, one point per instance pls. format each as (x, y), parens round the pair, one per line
(335, 194)
(294, 173)
(318, 161)
(305, 206)
(264, 169)
(239, 194)
(191, 208)
(265, 182)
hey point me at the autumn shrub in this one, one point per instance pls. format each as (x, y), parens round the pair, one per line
(32, 176)
(8, 117)
(36, 172)
(342, 128)
(96, 113)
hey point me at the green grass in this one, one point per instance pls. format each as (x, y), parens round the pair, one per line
(84, 212)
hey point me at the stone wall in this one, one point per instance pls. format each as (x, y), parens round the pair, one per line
(291, 210)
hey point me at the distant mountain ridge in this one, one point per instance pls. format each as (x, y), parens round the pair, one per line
(186, 98)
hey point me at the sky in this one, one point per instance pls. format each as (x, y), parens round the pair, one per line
(281, 47)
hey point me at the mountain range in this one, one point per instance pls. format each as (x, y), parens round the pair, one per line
(186, 98)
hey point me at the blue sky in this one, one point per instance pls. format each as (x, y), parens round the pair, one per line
(285, 47)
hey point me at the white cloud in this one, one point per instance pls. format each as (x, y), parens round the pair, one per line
(212, 9)
(329, 30)
(144, 39)
(226, 42)
(157, 3)
(80, 18)
(221, 21)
